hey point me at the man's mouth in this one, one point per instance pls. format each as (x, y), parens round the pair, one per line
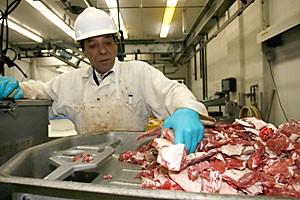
(103, 61)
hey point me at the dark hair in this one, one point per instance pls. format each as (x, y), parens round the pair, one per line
(81, 42)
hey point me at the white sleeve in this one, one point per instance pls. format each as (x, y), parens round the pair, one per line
(165, 96)
(33, 89)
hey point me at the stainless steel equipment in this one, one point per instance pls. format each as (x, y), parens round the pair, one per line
(227, 110)
(78, 158)
(23, 124)
(25, 174)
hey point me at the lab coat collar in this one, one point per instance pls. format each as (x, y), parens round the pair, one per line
(89, 72)
(105, 75)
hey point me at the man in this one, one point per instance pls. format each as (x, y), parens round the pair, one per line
(114, 95)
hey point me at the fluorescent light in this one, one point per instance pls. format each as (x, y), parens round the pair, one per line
(164, 30)
(52, 17)
(114, 15)
(24, 31)
(168, 16)
(112, 5)
(171, 3)
(86, 3)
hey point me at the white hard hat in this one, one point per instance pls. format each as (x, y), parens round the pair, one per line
(93, 22)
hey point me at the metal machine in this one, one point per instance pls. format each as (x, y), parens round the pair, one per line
(26, 172)
(228, 110)
(23, 124)
(73, 167)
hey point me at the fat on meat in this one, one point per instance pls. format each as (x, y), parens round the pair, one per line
(249, 157)
(231, 150)
(182, 179)
(169, 155)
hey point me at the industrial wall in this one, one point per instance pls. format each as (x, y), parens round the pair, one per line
(285, 63)
(235, 52)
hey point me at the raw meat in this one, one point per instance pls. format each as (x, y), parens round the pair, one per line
(169, 155)
(247, 157)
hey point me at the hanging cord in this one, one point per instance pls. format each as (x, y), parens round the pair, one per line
(4, 15)
(270, 105)
(121, 44)
(11, 63)
(276, 90)
(4, 59)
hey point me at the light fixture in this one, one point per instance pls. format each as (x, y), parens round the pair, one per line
(86, 3)
(112, 5)
(164, 30)
(168, 16)
(38, 5)
(24, 31)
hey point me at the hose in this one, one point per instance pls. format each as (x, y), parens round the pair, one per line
(249, 111)
(270, 106)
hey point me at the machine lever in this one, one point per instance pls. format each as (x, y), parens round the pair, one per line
(78, 158)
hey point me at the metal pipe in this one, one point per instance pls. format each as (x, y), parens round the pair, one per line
(203, 71)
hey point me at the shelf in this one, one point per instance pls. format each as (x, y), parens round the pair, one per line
(276, 29)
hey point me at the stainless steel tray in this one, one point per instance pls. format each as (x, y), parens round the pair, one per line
(24, 174)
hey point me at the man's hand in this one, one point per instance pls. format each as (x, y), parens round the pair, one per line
(9, 87)
(187, 128)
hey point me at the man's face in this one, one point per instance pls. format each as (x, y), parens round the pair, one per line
(101, 52)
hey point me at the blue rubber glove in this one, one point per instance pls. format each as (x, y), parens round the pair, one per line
(7, 87)
(187, 127)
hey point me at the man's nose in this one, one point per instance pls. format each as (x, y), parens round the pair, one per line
(101, 49)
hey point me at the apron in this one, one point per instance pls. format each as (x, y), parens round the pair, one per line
(109, 112)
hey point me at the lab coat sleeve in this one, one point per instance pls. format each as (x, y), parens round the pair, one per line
(165, 96)
(35, 89)
(60, 86)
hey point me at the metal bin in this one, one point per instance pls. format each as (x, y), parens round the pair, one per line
(23, 124)
(25, 172)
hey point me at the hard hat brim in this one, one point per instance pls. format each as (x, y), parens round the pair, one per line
(94, 33)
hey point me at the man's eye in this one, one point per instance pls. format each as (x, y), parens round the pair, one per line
(92, 46)
(108, 42)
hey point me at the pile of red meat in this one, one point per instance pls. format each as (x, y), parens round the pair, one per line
(249, 157)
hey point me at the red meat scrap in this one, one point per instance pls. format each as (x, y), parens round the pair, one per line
(291, 130)
(159, 180)
(107, 176)
(248, 157)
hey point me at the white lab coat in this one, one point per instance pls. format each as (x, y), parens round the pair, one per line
(123, 101)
